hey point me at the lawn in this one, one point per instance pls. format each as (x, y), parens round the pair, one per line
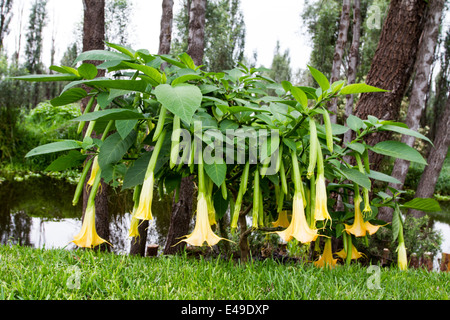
(39, 274)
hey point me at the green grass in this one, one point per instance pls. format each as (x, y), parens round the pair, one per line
(38, 274)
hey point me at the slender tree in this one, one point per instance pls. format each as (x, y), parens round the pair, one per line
(344, 25)
(393, 65)
(5, 19)
(196, 41)
(93, 39)
(353, 61)
(427, 183)
(165, 37)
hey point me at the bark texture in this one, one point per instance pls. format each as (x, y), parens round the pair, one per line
(197, 20)
(392, 65)
(93, 39)
(435, 160)
(339, 53)
(165, 37)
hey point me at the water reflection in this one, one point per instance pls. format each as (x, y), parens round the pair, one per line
(38, 212)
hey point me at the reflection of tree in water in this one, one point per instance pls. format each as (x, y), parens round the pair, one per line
(20, 232)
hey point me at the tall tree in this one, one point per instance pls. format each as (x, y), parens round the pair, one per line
(392, 65)
(5, 19)
(196, 41)
(344, 25)
(427, 183)
(93, 39)
(165, 36)
(353, 61)
(117, 21)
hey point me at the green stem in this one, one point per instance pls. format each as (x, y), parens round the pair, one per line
(155, 154)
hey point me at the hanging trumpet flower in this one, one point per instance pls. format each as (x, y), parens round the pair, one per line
(326, 259)
(321, 204)
(360, 228)
(144, 211)
(202, 231)
(282, 220)
(94, 172)
(134, 225)
(298, 228)
(88, 237)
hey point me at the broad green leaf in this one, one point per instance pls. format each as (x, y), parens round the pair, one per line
(399, 150)
(154, 75)
(423, 204)
(131, 85)
(125, 50)
(187, 60)
(290, 143)
(124, 127)
(114, 148)
(320, 78)
(300, 96)
(405, 131)
(136, 173)
(357, 177)
(358, 147)
(359, 88)
(101, 55)
(182, 100)
(69, 96)
(71, 160)
(172, 61)
(48, 77)
(220, 205)
(54, 147)
(111, 114)
(112, 172)
(88, 71)
(382, 177)
(65, 69)
(355, 123)
(186, 78)
(217, 172)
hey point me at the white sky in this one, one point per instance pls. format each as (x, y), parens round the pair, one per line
(266, 22)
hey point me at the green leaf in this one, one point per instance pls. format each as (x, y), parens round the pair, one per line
(182, 100)
(131, 85)
(187, 60)
(357, 177)
(101, 55)
(48, 77)
(136, 173)
(124, 127)
(88, 71)
(65, 69)
(114, 148)
(320, 78)
(125, 50)
(217, 172)
(290, 143)
(220, 205)
(71, 160)
(111, 114)
(155, 77)
(54, 147)
(69, 96)
(355, 123)
(300, 96)
(398, 150)
(423, 204)
(405, 131)
(186, 78)
(359, 88)
(358, 147)
(382, 177)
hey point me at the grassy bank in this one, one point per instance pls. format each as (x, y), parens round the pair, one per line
(37, 274)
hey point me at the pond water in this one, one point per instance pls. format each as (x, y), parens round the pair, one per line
(38, 212)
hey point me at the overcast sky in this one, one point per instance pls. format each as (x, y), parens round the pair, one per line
(266, 22)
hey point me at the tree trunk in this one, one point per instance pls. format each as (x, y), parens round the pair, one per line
(181, 217)
(339, 53)
(392, 65)
(197, 20)
(353, 62)
(435, 160)
(425, 57)
(165, 38)
(93, 39)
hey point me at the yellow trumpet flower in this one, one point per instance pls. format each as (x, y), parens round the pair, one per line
(94, 171)
(355, 254)
(402, 259)
(202, 232)
(326, 259)
(359, 227)
(134, 231)
(299, 228)
(282, 220)
(88, 237)
(144, 210)
(321, 209)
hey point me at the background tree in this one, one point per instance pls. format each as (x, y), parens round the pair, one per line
(117, 21)
(392, 65)
(5, 19)
(280, 69)
(93, 39)
(165, 38)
